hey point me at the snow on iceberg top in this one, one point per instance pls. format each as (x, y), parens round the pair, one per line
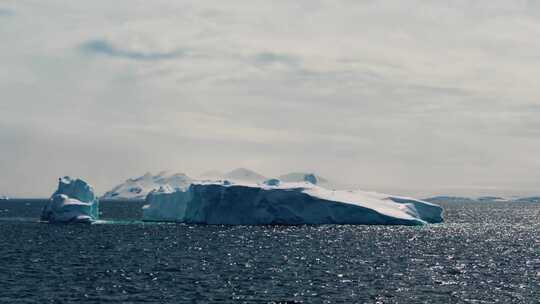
(75, 188)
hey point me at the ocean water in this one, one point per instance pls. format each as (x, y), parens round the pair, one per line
(483, 253)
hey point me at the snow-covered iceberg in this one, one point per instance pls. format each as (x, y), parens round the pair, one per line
(275, 202)
(73, 201)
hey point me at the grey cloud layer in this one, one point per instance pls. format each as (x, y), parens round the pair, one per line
(104, 47)
(366, 92)
(270, 58)
(6, 12)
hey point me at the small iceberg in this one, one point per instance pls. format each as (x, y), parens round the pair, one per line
(73, 202)
(275, 202)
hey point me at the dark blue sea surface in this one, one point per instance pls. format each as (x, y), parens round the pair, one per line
(483, 253)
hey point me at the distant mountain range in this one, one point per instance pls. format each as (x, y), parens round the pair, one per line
(239, 174)
(212, 174)
(139, 187)
(245, 175)
(299, 176)
(531, 199)
(449, 199)
(482, 199)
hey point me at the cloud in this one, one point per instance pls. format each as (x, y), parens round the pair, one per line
(4, 12)
(366, 91)
(264, 58)
(104, 47)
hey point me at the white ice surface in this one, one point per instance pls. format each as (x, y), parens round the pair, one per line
(285, 203)
(73, 201)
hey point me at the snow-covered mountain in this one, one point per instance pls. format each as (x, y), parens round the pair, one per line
(239, 174)
(212, 175)
(245, 175)
(481, 199)
(449, 199)
(138, 188)
(295, 177)
(531, 199)
(489, 199)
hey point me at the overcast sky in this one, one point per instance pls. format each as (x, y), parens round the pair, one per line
(411, 97)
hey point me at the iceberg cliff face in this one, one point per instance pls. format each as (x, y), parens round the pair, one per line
(284, 203)
(73, 201)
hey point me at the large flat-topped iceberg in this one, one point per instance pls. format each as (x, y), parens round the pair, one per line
(274, 202)
(73, 201)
